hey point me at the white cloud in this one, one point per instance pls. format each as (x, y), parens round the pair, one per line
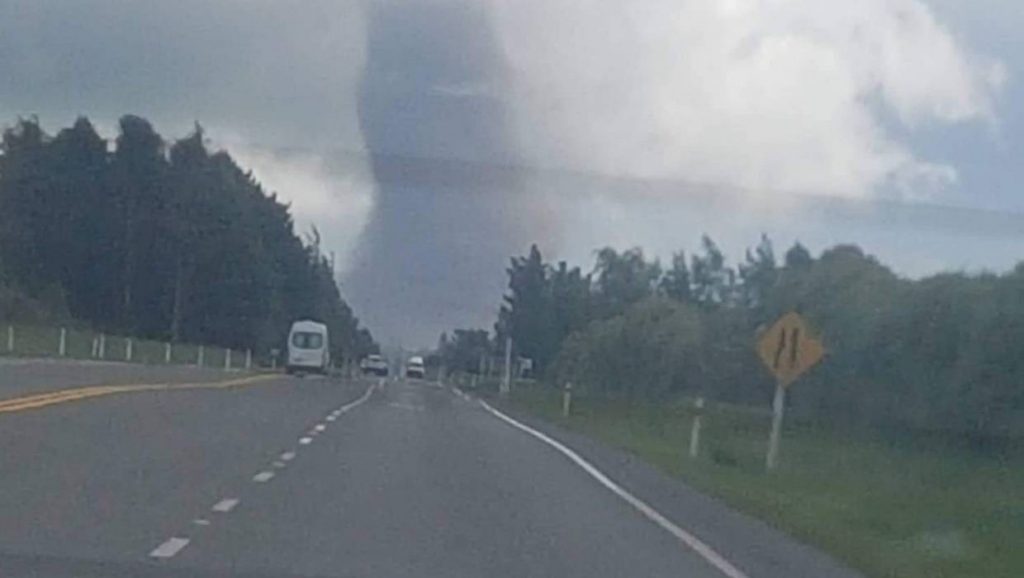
(763, 95)
(337, 202)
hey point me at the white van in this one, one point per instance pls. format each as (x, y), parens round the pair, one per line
(415, 369)
(308, 348)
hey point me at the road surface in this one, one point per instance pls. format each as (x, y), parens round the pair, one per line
(281, 476)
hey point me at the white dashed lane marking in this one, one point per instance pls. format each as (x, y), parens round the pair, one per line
(263, 477)
(169, 548)
(225, 505)
(406, 406)
(175, 544)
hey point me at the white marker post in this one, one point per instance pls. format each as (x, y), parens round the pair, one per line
(248, 359)
(567, 399)
(506, 380)
(167, 352)
(698, 405)
(778, 408)
(102, 348)
(128, 349)
(199, 357)
(10, 339)
(227, 359)
(95, 352)
(62, 347)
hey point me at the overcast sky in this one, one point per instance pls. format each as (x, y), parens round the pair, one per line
(820, 120)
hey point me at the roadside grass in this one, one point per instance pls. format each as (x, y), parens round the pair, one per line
(883, 508)
(182, 354)
(32, 341)
(44, 341)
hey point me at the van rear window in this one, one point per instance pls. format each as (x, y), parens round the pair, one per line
(306, 340)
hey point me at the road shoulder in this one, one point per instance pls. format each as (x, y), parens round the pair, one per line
(759, 549)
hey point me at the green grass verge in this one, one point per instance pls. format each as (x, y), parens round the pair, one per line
(44, 341)
(33, 341)
(887, 510)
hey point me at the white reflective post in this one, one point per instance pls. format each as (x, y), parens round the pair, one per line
(506, 382)
(695, 429)
(567, 399)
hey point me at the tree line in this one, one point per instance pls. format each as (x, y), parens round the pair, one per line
(943, 354)
(168, 241)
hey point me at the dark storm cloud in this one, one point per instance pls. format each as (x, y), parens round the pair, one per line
(281, 72)
(441, 110)
(396, 78)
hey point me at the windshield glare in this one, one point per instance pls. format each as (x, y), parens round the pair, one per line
(512, 288)
(305, 340)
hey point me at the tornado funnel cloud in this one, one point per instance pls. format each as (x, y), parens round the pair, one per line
(432, 117)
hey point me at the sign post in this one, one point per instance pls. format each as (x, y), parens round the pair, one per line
(788, 349)
(778, 408)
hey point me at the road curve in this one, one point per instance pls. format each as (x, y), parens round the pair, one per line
(314, 478)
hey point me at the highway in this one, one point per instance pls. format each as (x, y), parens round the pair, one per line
(180, 472)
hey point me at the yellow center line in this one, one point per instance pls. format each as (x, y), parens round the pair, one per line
(78, 393)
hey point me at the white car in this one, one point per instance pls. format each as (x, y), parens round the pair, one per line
(308, 348)
(414, 368)
(374, 364)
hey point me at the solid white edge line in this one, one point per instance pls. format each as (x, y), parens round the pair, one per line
(225, 505)
(169, 548)
(308, 439)
(691, 541)
(360, 401)
(263, 477)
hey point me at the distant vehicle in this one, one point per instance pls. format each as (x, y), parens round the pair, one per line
(308, 348)
(374, 365)
(414, 368)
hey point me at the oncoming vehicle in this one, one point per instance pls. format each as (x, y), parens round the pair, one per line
(374, 364)
(414, 368)
(308, 348)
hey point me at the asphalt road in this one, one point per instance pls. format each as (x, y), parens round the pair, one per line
(320, 478)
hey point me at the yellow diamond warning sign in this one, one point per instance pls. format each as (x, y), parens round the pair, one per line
(789, 349)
